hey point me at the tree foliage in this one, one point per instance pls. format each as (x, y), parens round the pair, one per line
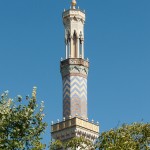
(21, 125)
(73, 144)
(127, 137)
(56, 145)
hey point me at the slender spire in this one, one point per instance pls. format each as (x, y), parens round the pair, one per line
(73, 4)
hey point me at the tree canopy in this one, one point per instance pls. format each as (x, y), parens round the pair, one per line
(74, 143)
(127, 137)
(21, 125)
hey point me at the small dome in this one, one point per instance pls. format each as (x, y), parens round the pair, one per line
(74, 3)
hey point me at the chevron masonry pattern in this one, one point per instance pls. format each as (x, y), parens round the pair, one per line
(74, 96)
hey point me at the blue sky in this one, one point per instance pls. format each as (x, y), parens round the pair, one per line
(117, 43)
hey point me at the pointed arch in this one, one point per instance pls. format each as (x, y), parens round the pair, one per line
(68, 53)
(68, 35)
(75, 44)
(74, 18)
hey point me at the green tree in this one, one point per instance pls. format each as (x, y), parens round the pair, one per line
(80, 143)
(21, 125)
(74, 143)
(127, 137)
(55, 145)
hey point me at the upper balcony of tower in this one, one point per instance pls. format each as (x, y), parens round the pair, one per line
(73, 11)
(73, 20)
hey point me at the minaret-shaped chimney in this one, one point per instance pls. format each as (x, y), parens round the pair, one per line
(74, 71)
(74, 68)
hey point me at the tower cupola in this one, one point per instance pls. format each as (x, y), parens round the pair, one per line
(73, 20)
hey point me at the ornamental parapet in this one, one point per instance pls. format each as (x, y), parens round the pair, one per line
(75, 122)
(70, 12)
(74, 67)
(75, 61)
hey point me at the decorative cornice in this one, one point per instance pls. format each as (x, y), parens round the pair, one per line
(75, 122)
(75, 61)
(74, 70)
(75, 127)
(79, 13)
(74, 67)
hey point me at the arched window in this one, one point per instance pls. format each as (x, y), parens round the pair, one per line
(68, 53)
(75, 44)
(68, 36)
(80, 46)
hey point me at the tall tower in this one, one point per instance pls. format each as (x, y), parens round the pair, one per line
(74, 68)
(74, 71)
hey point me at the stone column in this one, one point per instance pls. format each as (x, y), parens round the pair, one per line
(78, 47)
(66, 49)
(82, 49)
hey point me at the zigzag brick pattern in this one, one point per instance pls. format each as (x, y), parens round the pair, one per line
(75, 96)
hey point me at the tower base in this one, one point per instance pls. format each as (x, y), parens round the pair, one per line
(74, 127)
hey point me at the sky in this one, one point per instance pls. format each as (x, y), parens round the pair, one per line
(117, 43)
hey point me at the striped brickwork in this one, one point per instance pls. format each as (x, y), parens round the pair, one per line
(74, 96)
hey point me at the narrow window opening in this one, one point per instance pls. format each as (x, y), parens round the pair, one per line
(75, 44)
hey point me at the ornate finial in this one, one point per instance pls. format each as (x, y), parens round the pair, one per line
(64, 118)
(97, 123)
(73, 4)
(92, 121)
